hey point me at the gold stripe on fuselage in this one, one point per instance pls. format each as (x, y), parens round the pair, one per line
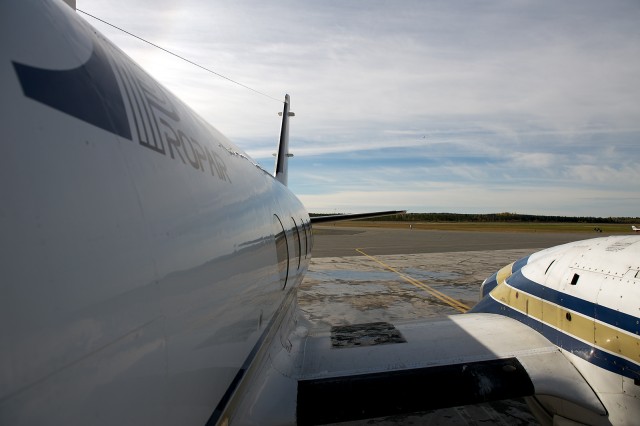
(504, 273)
(582, 327)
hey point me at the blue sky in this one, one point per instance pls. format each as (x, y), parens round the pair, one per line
(431, 106)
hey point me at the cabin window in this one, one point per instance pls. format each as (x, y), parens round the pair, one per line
(575, 279)
(545, 272)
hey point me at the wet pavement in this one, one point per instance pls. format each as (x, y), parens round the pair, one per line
(356, 289)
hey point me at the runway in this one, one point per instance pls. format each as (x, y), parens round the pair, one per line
(332, 241)
(400, 274)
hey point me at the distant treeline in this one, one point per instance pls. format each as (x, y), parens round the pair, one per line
(498, 217)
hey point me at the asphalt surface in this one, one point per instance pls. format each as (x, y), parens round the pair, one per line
(332, 241)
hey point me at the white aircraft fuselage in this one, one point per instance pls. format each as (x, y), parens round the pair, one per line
(144, 255)
(585, 298)
(150, 266)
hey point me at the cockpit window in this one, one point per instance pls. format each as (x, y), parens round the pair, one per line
(575, 279)
(548, 267)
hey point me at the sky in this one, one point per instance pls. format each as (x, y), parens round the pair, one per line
(518, 106)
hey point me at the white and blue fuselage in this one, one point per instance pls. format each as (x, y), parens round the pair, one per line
(584, 297)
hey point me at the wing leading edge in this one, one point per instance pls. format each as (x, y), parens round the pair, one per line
(340, 217)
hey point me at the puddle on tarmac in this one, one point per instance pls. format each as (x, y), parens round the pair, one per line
(340, 289)
(350, 290)
(422, 274)
(349, 275)
(357, 289)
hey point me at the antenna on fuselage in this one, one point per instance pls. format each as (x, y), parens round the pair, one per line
(282, 157)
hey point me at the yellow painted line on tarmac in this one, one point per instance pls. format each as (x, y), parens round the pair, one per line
(432, 291)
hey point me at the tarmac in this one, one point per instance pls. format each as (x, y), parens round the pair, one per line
(332, 241)
(397, 274)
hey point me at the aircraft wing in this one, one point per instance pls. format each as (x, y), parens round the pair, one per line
(379, 369)
(354, 216)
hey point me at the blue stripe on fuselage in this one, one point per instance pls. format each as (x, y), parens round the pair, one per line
(492, 282)
(584, 350)
(601, 313)
(518, 264)
(577, 347)
(489, 284)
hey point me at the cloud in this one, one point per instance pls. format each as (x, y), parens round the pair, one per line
(476, 199)
(540, 95)
(620, 177)
(536, 160)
